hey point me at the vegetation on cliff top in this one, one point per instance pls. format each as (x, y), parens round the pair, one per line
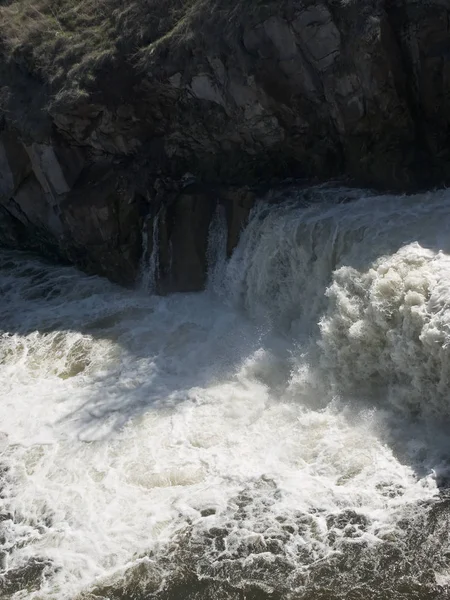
(66, 42)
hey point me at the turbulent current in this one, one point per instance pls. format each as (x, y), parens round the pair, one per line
(282, 435)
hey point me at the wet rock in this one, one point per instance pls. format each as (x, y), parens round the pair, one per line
(15, 165)
(29, 221)
(30, 205)
(102, 227)
(183, 242)
(12, 233)
(238, 204)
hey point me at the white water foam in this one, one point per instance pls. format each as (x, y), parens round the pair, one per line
(128, 418)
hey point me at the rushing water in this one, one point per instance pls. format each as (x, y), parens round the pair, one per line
(282, 435)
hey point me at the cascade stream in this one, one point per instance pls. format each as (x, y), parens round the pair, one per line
(282, 435)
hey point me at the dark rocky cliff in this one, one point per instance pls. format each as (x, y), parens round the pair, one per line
(109, 108)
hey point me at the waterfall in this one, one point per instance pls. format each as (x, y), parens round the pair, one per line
(149, 266)
(217, 249)
(283, 434)
(367, 281)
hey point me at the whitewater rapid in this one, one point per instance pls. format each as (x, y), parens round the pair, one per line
(284, 432)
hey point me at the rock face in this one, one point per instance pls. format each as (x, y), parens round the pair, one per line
(178, 235)
(233, 93)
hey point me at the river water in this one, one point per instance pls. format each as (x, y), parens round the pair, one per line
(282, 435)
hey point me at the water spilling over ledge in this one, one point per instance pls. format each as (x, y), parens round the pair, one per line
(281, 435)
